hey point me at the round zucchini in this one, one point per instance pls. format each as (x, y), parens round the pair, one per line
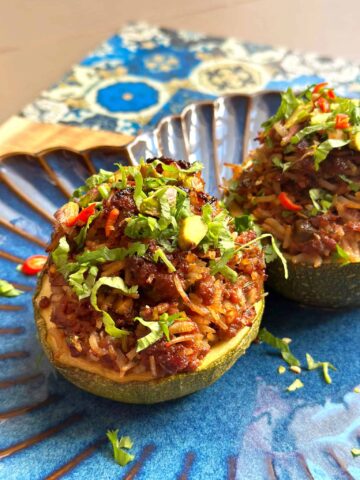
(331, 285)
(135, 389)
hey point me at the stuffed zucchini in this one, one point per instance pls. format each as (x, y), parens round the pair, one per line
(149, 292)
(302, 185)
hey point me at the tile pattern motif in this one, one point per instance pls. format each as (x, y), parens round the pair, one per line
(144, 72)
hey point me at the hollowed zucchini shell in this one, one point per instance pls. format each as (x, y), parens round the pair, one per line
(331, 285)
(135, 389)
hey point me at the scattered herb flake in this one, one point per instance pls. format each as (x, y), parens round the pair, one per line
(295, 385)
(355, 452)
(312, 365)
(8, 290)
(120, 455)
(279, 344)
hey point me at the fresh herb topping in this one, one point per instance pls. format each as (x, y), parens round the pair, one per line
(354, 186)
(342, 256)
(105, 254)
(118, 284)
(160, 255)
(323, 150)
(318, 119)
(60, 257)
(120, 455)
(157, 329)
(243, 223)
(321, 200)
(166, 210)
(83, 280)
(220, 266)
(8, 290)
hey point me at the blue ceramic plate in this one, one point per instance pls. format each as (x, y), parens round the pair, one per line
(246, 425)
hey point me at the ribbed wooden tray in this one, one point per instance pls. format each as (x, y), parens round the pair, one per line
(19, 135)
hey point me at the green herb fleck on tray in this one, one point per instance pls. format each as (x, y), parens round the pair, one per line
(121, 457)
(279, 344)
(295, 385)
(313, 365)
(8, 290)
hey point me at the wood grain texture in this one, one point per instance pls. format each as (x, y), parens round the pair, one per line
(23, 136)
(41, 39)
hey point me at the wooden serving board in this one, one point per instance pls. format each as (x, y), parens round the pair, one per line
(20, 135)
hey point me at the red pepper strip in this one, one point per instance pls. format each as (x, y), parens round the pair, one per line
(110, 221)
(331, 93)
(33, 264)
(342, 121)
(323, 104)
(319, 87)
(287, 203)
(83, 216)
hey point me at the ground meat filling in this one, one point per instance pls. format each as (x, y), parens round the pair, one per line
(302, 184)
(203, 308)
(308, 233)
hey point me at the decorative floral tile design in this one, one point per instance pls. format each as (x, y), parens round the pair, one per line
(144, 72)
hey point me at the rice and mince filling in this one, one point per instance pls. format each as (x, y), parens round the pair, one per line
(302, 184)
(131, 288)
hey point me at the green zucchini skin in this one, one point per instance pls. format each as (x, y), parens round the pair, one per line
(152, 391)
(331, 285)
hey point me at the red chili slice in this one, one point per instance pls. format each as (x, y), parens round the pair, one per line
(287, 203)
(33, 264)
(319, 87)
(83, 216)
(110, 221)
(331, 93)
(323, 104)
(342, 121)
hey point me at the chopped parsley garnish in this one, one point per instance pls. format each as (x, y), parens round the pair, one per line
(321, 200)
(8, 290)
(354, 186)
(220, 266)
(323, 150)
(243, 223)
(83, 280)
(342, 256)
(120, 455)
(160, 255)
(118, 284)
(289, 103)
(157, 329)
(322, 121)
(105, 254)
(162, 209)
